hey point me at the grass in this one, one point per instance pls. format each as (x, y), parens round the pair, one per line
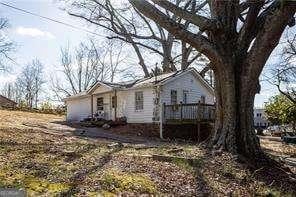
(115, 181)
(41, 155)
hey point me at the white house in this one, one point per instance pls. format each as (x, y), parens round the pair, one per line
(260, 119)
(140, 101)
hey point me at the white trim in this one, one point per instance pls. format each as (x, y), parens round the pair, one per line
(76, 97)
(96, 86)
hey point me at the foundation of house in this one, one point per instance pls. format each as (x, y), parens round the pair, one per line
(170, 131)
(188, 131)
(139, 129)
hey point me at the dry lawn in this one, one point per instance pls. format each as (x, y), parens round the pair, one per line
(40, 155)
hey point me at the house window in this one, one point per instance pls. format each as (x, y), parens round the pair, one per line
(203, 99)
(139, 100)
(173, 97)
(114, 101)
(185, 96)
(100, 103)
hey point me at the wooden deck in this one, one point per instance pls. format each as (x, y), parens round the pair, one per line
(189, 113)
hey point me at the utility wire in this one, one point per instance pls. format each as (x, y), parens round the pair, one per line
(61, 22)
(72, 26)
(50, 19)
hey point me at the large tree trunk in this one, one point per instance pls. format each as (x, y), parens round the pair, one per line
(238, 50)
(234, 129)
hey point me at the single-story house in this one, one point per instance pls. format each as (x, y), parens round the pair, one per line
(140, 101)
(260, 119)
(6, 102)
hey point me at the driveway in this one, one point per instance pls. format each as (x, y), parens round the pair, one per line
(63, 128)
(93, 132)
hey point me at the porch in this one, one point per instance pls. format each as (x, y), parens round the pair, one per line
(103, 105)
(187, 120)
(189, 113)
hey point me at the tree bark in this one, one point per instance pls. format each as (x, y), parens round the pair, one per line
(234, 130)
(237, 62)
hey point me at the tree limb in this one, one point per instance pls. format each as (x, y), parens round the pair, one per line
(275, 21)
(198, 41)
(202, 22)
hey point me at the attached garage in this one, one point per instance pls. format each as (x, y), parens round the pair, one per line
(78, 108)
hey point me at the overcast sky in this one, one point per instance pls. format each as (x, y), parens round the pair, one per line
(42, 39)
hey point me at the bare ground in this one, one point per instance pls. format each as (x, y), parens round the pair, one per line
(41, 154)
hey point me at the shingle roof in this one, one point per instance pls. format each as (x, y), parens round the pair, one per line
(148, 81)
(80, 94)
(138, 83)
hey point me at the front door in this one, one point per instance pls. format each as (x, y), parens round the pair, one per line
(100, 104)
(100, 108)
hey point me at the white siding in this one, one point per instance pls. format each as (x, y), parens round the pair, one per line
(191, 84)
(121, 103)
(78, 109)
(260, 119)
(81, 107)
(127, 106)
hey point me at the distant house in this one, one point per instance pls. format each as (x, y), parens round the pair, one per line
(140, 101)
(260, 119)
(6, 102)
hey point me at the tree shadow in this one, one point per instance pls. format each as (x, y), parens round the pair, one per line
(81, 175)
(274, 174)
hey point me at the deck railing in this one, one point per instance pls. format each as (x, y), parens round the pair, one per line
(189, 112)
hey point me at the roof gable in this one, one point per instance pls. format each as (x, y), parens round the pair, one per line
(196, 75)
(101, 85)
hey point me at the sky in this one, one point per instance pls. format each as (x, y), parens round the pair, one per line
(42, 39)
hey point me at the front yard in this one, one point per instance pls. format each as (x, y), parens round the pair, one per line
(39, 154)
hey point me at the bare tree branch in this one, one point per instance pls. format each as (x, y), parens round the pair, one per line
(202, 22)
(198, 41)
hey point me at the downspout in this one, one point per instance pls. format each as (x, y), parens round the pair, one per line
(92, 105)
(115, 104)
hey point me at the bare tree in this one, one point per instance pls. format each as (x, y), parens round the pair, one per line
(284, 75)
(6, 46)
(238, 38)
(85, 66)
(30, 83)
(125, 23)
(7, 90)
(12, 90)
(112, 60)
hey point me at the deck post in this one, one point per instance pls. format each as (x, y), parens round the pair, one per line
(198, 121)
(162, 116)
